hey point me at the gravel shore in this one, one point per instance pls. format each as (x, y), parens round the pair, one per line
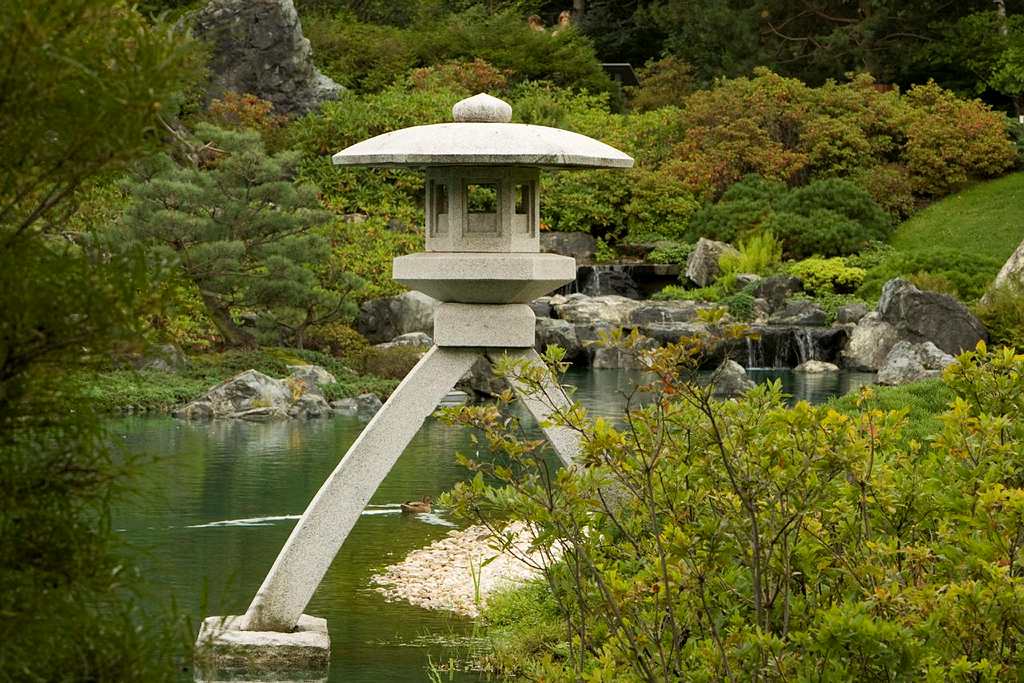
(458, 572)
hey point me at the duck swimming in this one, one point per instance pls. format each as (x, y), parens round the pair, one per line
(415, 506)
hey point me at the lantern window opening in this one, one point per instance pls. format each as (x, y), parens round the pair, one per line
(482, 198)
(437, 207)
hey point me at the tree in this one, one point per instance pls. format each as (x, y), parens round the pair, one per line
(81, 86)
(231, 218)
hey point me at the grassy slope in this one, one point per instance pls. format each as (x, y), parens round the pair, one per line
(986, 218)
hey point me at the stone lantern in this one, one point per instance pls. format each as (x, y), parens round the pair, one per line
(483, 262)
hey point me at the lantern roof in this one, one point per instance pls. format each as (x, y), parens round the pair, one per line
(483, 135)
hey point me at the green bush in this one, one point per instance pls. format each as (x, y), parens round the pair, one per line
(743, 539)
(759, 254)
(1002, 313)
(829, 217)
(371, 57)
(968, 273)
(827, 276)
(670, 252)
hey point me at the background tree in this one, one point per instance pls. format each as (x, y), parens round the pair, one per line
(82, 84)
(231, 218)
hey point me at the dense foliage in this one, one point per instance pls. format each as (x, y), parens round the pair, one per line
(744, 540)
(84, 83)
(240, 230)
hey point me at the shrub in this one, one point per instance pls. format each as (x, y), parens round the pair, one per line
(968, 273)
(827, 276)
(950, 140)
(470, 77)
(892, 188)
(744, 207)
(663, 83)
(759, 253)
(829, 217)
(735, 540)
(1002, 313)
(671, 252)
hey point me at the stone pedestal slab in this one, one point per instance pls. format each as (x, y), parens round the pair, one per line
(225, 651)
(480, 325)
(484, 278)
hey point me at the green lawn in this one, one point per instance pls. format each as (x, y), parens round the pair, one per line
(986, 219)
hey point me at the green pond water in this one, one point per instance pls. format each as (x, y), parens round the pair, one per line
(219, 499)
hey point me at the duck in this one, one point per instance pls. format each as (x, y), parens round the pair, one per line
(416, 506)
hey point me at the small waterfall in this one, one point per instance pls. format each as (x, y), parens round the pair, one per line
(806, 348)
(754, 353)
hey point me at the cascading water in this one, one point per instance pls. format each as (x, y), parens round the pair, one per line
(805, 344)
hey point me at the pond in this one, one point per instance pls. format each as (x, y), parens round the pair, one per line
(217, 504)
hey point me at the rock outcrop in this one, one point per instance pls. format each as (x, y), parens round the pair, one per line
(702, 265)
(908, 362)
(1011, 274)
(251, 395)
(816, 367)
(578, 245)
(382, 320)
(730, 379)
(258, 47)
(870, 342)
(921, 316)
(363, 406)
(799, 312)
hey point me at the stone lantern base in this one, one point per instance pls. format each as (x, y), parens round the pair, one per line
(226, 652)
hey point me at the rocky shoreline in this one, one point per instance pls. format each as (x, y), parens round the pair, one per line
(458, 572)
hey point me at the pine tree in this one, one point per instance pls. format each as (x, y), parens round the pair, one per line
(240, 228)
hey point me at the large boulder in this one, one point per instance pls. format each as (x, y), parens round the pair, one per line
(162, 358)
(312, 376)
(381, 320)
(248, 395)
(666, 312)
(413, 339)
(799, 312)
(549, 332)
(578, 245)
(929, 316)
(257, 47)
(851, 314)
(363, 406)
(816, 367)
(869, 343)
(730, 379)
(702, 265)
(1011, 274)
(908, 362)
(581, 309)
(776, 289)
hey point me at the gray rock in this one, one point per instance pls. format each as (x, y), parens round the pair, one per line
(542, 307)
(163, 358)
(312, 376)
(730, 379)
(245, 392)
(579, 245)
(744, 280)
(666, 312)
(258, 47)
(481, 380)
(908, 362)
(869, 344)
(816, 367)
(558, 332)
(702, 266)
(581, 309)
(310, 405)
(671, 333)
(416, 339)
(196, 410)
(1011, 274)
(851, 313)
(761, 311)
(777, 288)
(929, 316)
(381, 320)
(363, 406)
(799, 312)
